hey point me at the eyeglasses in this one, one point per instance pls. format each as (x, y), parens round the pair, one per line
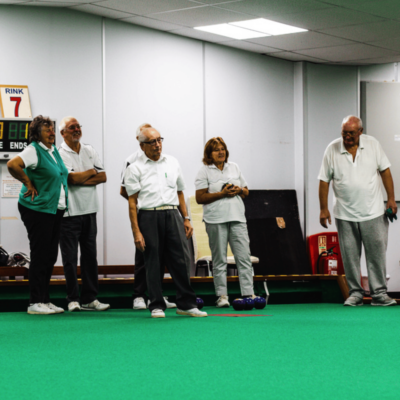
(351, 133)
(74, 127)
(153, 142)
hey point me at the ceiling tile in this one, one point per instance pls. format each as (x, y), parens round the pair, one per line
(286, 55)
(209, 2)
(152, 23)
(346, 3)
(381, 8)
(367, 32)
(201, 16)
(269, 8)
(255, 48)
(392, 44)
(144, 7)
(348, 53)
(299, 41)
(201, 35)
(49, 4)
(104, 12)
(328, 18)
(5, 2)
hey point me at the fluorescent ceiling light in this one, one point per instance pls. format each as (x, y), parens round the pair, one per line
(231, 31)
(266, 26)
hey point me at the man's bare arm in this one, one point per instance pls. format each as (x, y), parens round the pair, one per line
(387, 180)
(323, 203)
(101, 177)
(183, 211)
(137, 235)
(79, 178)
(124, 193)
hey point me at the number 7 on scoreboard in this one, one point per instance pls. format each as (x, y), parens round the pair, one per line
(14, 101)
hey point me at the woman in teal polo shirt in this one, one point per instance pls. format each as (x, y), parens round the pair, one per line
(42, 203)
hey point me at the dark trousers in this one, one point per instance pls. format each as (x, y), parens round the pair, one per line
(140, 282)
(166, 244)
(44, 235)
(82, 230)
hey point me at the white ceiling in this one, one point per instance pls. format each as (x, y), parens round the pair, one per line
(357, 32)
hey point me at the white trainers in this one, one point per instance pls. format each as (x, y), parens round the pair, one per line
(57, 310)
(74, 306)
(193, 312)
(139, 304)
(40, 308)
(169, 305)
(95, 305)
(157, 313)
(223, 301)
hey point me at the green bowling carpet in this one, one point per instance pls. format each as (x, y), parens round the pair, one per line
(305, 351)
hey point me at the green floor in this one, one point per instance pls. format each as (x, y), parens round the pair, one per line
(305, 351)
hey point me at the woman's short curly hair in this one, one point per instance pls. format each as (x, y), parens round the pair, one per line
(211, 145)
(35, 128)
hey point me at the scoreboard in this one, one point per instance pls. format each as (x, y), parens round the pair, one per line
(14, 136)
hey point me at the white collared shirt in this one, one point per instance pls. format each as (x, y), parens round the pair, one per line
(156, 181)
(130, 160)
(82, 199)
(356, 185)
(30, 159)
(226, 209)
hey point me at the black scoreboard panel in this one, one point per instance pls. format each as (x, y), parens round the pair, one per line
(14, 136)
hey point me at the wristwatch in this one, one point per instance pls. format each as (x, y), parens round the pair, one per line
(186, 218)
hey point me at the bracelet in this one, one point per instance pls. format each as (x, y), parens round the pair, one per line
(188, 218)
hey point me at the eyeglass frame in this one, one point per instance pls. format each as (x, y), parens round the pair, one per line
(154, 141)
(74, 127)
(353, 133)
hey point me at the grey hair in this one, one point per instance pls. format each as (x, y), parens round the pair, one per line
(349, 117)
(63, 123)
(141, 137)
(138, 130)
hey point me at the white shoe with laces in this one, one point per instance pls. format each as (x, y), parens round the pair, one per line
(74, 306)
(157, 313)
(223, 301)
(193, 312)
(95, 305)
(39, 308)
(139, 304)
(169, 305)
(57, 310)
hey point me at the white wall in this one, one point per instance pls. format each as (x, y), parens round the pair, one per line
(387, 73)
(249, 103)
(57, 53)
(331, 95)
(150, 77)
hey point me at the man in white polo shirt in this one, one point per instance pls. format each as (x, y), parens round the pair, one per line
(139, 284)
(155, 185)
(79, 225)
(354, 163)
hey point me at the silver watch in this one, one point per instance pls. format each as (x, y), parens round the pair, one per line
(186, 218)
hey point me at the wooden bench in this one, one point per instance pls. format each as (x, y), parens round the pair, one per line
(127, 271)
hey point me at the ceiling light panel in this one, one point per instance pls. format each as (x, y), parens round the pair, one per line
(271, 28)
(231, 31)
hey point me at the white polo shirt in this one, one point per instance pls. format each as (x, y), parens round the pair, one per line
(156, 181)
(82, 199)
(130, 160)
(356, 185)
(30, 159)
(226, 209)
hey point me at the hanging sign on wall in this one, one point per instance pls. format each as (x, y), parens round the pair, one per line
(14, 101)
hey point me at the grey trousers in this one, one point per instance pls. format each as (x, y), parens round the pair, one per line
(235, 233)
(373, 234)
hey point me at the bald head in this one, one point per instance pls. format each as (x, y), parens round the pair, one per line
(352, 119)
